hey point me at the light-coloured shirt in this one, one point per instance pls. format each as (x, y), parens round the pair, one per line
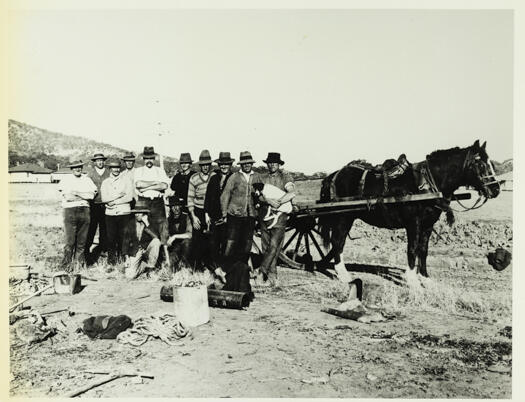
(197, 189)
(70, 183)
(154, 173)
(112, 188)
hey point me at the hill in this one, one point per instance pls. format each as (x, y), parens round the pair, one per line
(30, 144)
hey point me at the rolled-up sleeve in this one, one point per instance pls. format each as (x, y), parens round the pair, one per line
(91, 188)
(289, 184)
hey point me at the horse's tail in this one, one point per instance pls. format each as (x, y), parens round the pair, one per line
(325, 222)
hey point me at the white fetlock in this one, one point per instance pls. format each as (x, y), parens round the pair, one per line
(350, 305)
(342, 273)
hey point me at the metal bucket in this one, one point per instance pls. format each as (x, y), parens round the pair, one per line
(191, 305)
(64, 283)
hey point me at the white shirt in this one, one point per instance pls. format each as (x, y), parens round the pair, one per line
(81, 184)
(247, 175)
(100, 171)
(154, 173)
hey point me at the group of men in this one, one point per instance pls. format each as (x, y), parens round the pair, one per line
(203, 219)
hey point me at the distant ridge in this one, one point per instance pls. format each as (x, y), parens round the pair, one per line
(48, 149)
(30, 144)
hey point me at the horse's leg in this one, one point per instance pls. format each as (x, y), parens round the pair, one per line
(423, 250)
(338, 243)
(412, 243)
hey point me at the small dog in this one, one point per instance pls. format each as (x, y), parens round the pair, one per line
(270, 192)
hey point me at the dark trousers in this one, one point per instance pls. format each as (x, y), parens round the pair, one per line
(97, 220)
(217, 243)
(238, 278)
(239, 238)
(180, 253)
(157, 217)
(118, 231)
(76, 225)
(200, 243)
(272, 243)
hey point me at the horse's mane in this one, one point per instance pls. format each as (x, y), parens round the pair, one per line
(444, 152)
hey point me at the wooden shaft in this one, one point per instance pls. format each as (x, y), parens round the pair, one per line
(12, 308)
(124, 374)
(92, 385)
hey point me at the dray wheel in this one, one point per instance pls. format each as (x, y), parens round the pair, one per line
(302, 247)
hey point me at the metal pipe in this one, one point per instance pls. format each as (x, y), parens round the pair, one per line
(216, 298)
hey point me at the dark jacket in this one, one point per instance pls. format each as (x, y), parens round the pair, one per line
(212, 201)
(179, 184)
(97, 179)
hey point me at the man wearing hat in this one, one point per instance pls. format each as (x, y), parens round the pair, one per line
(76, 191)
(150, 183)
(180, 230)
(129, 162)
(197, 187)
(238, 209)
(145, 245)
(272, 234)
(212, 207)
(117, 194)
(181, 180)
(98, 173)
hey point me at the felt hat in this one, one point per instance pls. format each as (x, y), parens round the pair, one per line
(185, 157)
(128, 157)
(140, 208)
(77, 163)
(274, 157)
(245, 157)
(98, 155)
(224, 158)
(113, 162)
(149, 153)
(172, 201)
(205, 158)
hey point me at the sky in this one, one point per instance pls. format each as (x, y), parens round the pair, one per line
(322, 87)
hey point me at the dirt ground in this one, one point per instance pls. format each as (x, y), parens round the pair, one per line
(450, 338)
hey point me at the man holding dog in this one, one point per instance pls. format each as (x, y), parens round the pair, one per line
(272, 238)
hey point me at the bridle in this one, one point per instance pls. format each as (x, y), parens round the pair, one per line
(471, 162)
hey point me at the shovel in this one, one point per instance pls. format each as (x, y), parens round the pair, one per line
(63, 283)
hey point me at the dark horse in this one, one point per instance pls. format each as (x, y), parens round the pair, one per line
(450, 169)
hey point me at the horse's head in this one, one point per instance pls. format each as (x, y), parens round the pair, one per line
(479, 171)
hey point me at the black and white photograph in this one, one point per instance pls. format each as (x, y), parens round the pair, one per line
(228, 202)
